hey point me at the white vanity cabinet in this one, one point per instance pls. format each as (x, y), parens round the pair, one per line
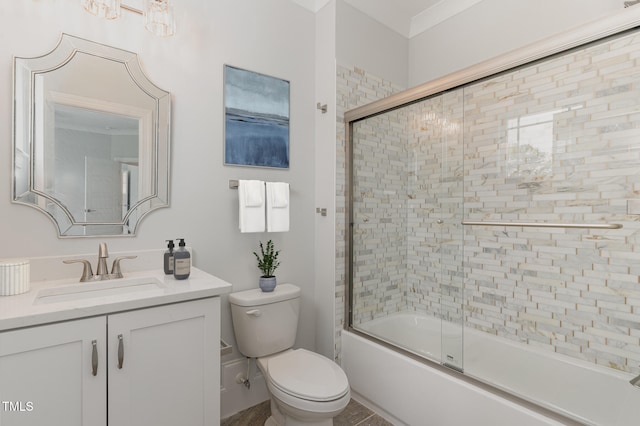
(155, 366)
(170, 371)
(47, 375)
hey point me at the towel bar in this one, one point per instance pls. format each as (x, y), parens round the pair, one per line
(233, 184)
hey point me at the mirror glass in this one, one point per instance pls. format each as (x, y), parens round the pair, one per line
(91, 138)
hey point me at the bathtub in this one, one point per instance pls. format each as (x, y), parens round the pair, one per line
(528, 386)
(422, 335)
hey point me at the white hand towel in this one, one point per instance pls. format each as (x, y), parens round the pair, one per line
(277, 207)
(251, 205)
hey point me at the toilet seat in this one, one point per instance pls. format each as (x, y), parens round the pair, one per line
(306, 375)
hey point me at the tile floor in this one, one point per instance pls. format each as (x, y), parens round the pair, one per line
(355, 414)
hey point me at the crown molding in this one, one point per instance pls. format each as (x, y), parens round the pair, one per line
(436, 14)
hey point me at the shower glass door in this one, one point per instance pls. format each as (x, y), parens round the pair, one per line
(451, 238)
(406, 233)
(541, 163)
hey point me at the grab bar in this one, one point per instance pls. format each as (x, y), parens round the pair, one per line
(547, 225)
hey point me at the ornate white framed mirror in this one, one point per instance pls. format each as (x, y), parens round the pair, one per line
(91, 139)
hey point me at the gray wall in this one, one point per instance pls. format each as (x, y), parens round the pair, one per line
(494, 27)
(189, 65)
(365, 43)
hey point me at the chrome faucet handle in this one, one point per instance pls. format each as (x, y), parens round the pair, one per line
(87, 271)
(116, 272)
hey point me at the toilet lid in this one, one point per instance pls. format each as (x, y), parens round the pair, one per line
(307, 375)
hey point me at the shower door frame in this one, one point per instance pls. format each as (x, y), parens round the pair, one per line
(628, 19)
(625, 20)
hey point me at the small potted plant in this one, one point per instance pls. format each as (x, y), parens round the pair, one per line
(267, 263)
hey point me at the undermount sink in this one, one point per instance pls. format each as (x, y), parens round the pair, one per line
(96, 289)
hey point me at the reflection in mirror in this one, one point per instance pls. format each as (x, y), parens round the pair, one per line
(91, 139)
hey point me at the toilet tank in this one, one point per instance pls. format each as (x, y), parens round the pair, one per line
(265, 323)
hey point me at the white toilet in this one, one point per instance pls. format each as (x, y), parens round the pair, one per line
(306, 388)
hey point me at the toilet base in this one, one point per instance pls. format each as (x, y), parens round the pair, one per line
(287, 410)
(278, 418)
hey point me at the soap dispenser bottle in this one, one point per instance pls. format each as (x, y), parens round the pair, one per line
(181, 262)
(168, 258)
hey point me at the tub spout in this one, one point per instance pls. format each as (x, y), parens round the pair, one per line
(635, 381)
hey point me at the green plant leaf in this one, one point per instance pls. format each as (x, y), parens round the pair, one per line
(267, 259)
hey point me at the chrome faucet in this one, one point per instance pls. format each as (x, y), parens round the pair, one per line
(102, 272)
(103, 255)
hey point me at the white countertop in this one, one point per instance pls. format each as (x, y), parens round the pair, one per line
(24, 310)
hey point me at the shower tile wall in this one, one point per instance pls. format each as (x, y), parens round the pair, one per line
(380, 216)
(556, 141)
(407, 208)
(355, 87)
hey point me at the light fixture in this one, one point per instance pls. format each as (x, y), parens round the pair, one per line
(158, 14)
(158, 17)
(108, 9)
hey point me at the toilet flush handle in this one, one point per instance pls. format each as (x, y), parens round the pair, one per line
(254, 312)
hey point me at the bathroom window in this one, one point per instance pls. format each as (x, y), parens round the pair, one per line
(530, 145)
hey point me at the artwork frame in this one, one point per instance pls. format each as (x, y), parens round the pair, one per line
(256, 119)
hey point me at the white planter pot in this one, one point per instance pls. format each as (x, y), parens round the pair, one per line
(267, 284)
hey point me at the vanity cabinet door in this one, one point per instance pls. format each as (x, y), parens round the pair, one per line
(164, 365)
(47, 374)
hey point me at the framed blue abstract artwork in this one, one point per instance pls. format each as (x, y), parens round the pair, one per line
(256, 119)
